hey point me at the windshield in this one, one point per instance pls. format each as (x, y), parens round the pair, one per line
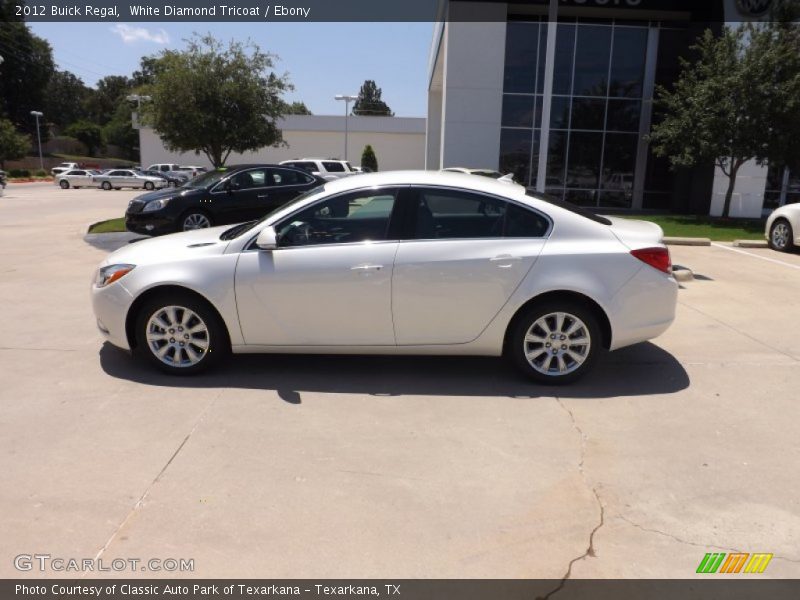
(242, 228)
(574, 208)
(206, 180)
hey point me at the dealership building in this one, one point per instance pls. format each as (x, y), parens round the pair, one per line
(594, 66)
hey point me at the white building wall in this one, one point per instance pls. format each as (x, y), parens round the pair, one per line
(748, 195)
(399, 142)
(472, 96)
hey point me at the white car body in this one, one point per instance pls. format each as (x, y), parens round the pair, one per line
(783, 228)
(328, 169)
(64, 166)
(127, 178)
(77, 178)
(399, 296)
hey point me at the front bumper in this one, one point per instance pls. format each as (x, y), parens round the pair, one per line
(154, 223)
(111, 305)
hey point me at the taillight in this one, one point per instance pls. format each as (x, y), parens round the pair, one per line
(658, 258)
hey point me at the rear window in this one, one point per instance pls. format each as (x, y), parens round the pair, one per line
(333, 167)
(573, 208)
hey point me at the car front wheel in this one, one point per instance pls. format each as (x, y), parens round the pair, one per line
(194, 220)
(148, 185)
(64, 184)
(555, 342)
(180, 334)
(781, 236)
(106, 186)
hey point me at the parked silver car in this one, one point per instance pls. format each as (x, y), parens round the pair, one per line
(77, 178)
(120, 178)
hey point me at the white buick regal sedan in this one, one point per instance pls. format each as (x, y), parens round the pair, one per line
(395, 263)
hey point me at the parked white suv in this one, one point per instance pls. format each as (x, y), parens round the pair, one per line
(63, 168)
(326, 168)
(163, 167)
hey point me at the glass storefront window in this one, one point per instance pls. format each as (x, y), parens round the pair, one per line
(627, 64)
(518, 111)
(515, 153)
(592, 55)
(522, 44)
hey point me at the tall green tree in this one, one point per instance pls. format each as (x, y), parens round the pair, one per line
(216, 99)
(105, 99)
(13, 145)
(119, 131)
(368, 158)
(66, 99)
(26, 70)
(738, 101)
(90, 134)
(369, 102)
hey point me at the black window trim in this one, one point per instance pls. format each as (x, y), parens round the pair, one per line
(409, 237)
(398, 190)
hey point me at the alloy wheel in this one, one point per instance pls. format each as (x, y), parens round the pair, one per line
(557, 344)
(177, 336)
(780, 235)
(196, 221)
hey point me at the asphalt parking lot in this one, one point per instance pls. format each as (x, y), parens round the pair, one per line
(327, 467)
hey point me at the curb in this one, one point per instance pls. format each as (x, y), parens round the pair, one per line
(751, 244)
(686, 241)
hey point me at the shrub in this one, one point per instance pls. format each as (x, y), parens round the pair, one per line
(368, 158)
(40, 173)
(19, 173)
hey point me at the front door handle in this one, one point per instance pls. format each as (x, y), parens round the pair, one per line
(504, 258)
(363, 268)
(262, 196)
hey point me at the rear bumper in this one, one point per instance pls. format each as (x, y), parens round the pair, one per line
(643, 308)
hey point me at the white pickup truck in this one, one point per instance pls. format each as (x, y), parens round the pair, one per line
(63, 168)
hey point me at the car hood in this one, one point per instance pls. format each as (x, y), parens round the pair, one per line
(166, 193)
(171, 248)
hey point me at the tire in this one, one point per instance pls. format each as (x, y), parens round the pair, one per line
(148, 185)
(552, 361)
(106, 185)
(200, 349)
(781, 236)
(194, 219)
(64, 184)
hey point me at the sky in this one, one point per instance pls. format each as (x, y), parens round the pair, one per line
(322, 59)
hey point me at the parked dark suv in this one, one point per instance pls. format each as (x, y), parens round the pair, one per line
(220, 197)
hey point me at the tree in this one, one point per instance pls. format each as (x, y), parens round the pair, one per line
(104, 100)
(13, 145)
(369, 102)
(368, 158)
(216, 100)
(120, 132)
(66, 99)
(295, 108)
(26, 71)
(90, 134)
(738, 101)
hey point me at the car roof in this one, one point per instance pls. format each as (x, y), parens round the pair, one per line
(434, 178)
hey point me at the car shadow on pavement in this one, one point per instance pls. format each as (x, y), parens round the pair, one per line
(639, 370)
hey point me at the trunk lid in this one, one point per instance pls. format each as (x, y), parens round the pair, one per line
(636, 234)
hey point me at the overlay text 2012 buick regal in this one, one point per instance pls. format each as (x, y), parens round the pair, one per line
(409, 263)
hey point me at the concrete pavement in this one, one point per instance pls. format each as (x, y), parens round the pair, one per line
(291, 466)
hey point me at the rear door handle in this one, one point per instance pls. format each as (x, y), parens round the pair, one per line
(363, 268)
(262, 196)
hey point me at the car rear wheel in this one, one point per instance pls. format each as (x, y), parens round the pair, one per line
(781, 236)
(106, 185)
(195, 220)
(181, 334)
(148, 185)
(555, 342)
(64, 184)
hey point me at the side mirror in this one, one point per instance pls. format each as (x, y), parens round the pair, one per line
(267, 239)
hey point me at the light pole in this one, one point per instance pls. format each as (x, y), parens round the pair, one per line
(138, 99)
(36, 114)
(347, 101)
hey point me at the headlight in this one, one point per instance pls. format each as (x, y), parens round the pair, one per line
(108, 275)
(155, 205)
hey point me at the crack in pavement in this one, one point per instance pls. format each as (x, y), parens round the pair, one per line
(696, 544)
(146, 493)
(590, 550)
